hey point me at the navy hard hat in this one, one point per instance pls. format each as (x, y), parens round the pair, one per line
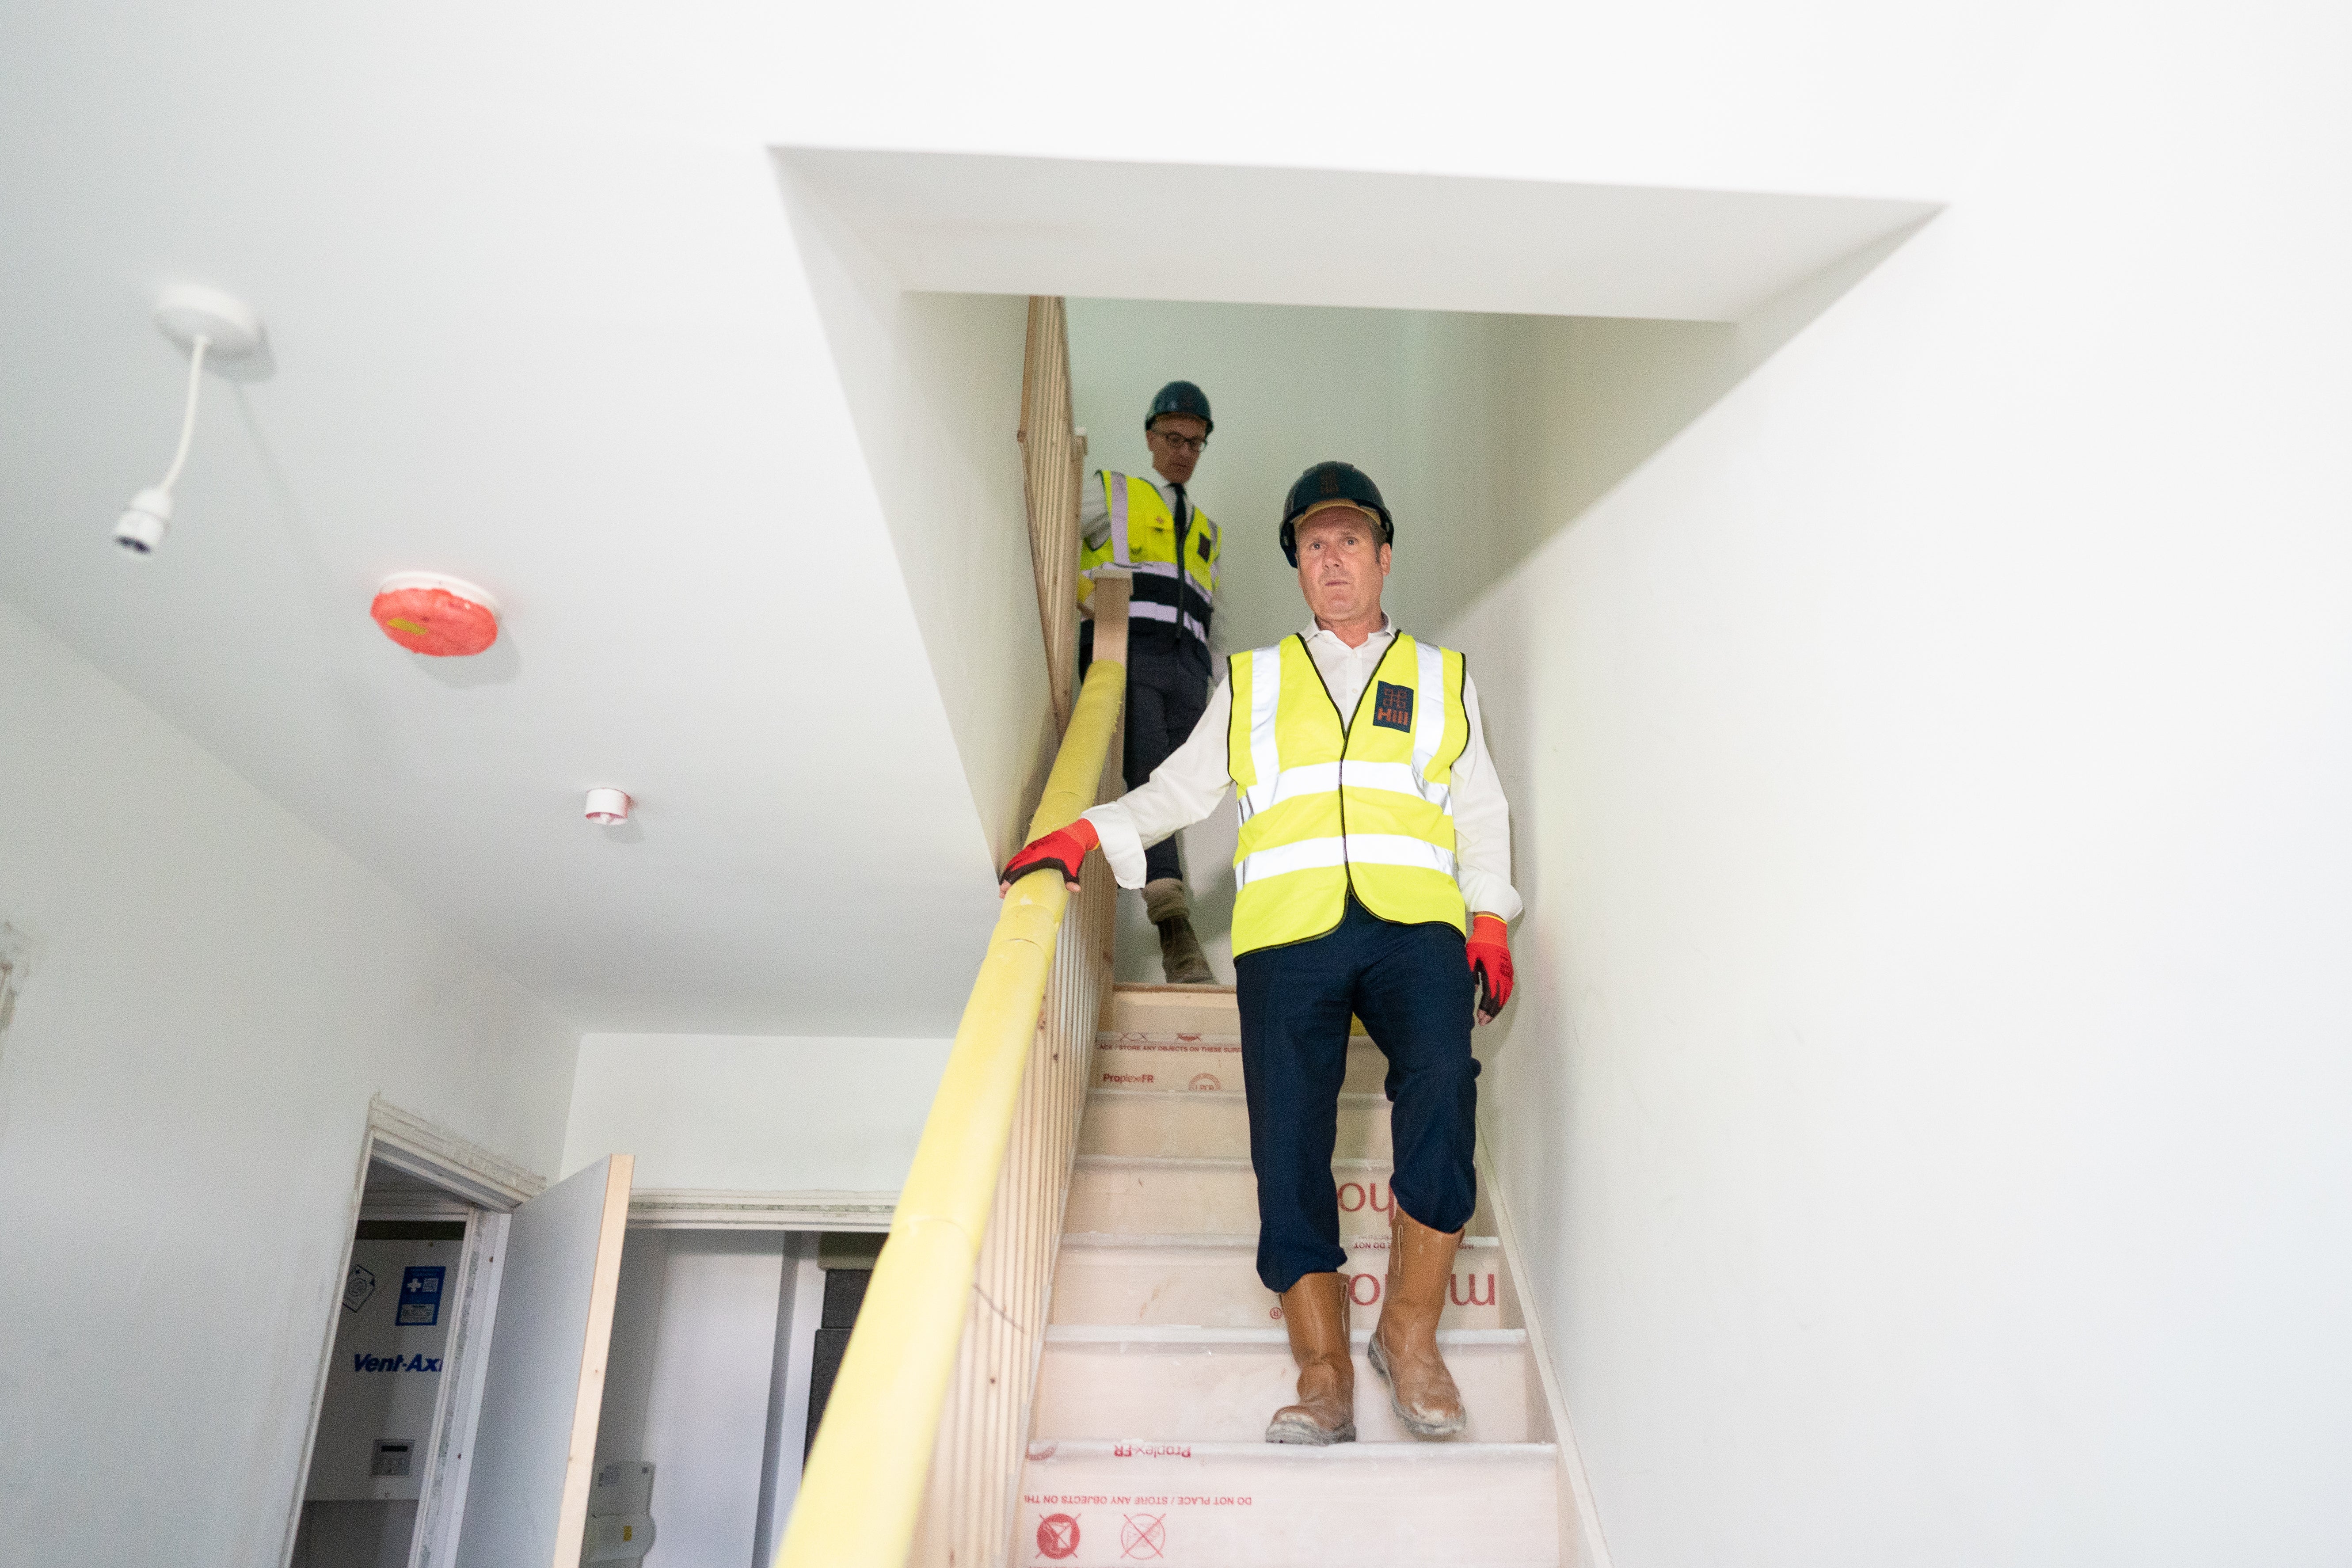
(1325, 483)
(1181, 397)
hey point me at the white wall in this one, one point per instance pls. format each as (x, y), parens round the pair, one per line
(209, 994)
(1928, 1093)
(752, 1114)
(933, 383)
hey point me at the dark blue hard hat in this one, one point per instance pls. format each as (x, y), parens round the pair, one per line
(1332, 483)
(1181, 397)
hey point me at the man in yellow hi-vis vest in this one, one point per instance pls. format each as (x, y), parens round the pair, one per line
(1149, 527)
(1374, 878)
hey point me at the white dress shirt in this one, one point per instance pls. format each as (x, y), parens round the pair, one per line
(1195, 780)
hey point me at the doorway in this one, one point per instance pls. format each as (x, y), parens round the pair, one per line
(724, 1343)
(464, 1363)
(389, 1373)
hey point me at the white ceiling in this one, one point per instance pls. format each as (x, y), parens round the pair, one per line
(540, 319)
(1323, 236)
(575, 366)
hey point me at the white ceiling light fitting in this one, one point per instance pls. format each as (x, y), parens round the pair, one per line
(208, 324)
(608, 807)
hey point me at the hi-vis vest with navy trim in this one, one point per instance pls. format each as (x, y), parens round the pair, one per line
(1142, 540)
(1327, 806)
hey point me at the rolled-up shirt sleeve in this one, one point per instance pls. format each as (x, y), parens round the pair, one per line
(1192, 782)
(1482, 823)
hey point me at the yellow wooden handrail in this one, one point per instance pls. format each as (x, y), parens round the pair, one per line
(863, 1484)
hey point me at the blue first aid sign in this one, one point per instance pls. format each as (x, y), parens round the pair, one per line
(420, 1296)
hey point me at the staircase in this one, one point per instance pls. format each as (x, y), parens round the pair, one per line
(1165, 1357)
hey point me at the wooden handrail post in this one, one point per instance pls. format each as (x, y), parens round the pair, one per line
(1112, 588)
(1051, 453)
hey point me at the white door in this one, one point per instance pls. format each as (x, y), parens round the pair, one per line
(534, 1450)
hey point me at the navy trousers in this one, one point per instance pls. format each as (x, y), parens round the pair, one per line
(1410, 985)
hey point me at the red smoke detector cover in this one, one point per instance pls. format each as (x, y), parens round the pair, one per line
(437, 615)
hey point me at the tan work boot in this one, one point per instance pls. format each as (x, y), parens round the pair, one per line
(1404, 1342)
(1316, 1311)
(1180, 958)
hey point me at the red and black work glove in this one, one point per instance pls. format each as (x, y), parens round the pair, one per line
(1490, 964)
(1064, 849)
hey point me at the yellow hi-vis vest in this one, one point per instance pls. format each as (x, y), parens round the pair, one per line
(1328, 808)
(1142, 540)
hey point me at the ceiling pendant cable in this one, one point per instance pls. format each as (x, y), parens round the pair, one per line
(210, 323)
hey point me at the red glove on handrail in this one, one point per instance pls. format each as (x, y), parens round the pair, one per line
(1490, 963)
(1064, 850)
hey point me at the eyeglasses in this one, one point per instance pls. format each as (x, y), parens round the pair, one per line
(1180, 443)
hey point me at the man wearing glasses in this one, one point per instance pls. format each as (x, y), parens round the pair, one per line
(1147, 525)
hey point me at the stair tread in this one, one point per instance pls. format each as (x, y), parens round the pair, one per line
(1453, 1451)
(1164, 1057)
(1279, 1339)
(1217, 1194)
(1151, 1384)
(1252, 1504)
(1183, 1037)
(1361, 1098)
(1208, 1162)
(1239, 1241)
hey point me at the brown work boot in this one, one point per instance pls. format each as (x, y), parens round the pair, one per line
(1180, 958)
(1404, 1342)
(1316, 1311)
(1167, 905)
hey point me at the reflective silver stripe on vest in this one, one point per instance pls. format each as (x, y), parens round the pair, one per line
(1115, 496)
(1326, 854)
(1428, 716)
(1405, 778)
(1142, 610)
(1309, 778)
(1398, 849)
(1265, 698)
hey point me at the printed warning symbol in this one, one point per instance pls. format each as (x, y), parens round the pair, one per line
(1057, 1536)
(1143, 1535)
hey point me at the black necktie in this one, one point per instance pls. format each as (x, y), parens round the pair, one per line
(1184, 538)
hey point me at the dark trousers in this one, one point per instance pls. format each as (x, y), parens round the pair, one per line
(1167, 688)
(1410, 985)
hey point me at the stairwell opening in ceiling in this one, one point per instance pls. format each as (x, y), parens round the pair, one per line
(1497, 354)
(1487, 433)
